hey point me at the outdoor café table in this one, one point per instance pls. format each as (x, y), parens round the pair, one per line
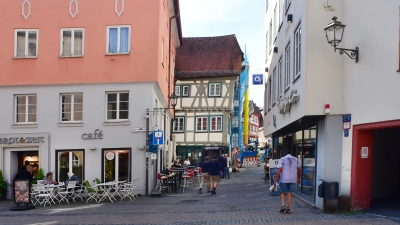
(56, 188)
(172, 182)
(118, 186)
(106, 188)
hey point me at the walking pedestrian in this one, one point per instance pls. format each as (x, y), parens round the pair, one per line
(228, 162)
(204, 176)
(288, 170)
(222, 163)
(214, 170)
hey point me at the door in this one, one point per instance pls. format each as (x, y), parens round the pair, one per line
(116, 165)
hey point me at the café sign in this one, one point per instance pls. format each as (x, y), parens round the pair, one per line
(21, 140)
(97, 134)
(286, 101)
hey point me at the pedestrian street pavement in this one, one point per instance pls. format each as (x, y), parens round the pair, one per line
(243, 199)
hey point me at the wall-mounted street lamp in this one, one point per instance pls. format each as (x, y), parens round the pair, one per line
(173, 100)
(334, 34)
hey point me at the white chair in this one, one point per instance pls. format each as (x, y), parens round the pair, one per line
(128, 189)
(67, 192)
(91, 191)
(45, 195)
(79, 192)
(39, 181)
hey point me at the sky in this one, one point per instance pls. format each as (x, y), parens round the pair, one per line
(244, 18)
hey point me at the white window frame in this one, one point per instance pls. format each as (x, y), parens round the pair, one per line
(72, 41)
(118, 101)
(215, 88)
(287, 68)
(26, 109)
(72, 107)
(26, 42)
(269, 93)
(206, 127)
(270, 37)
(287, 4)
(276, 21)
(118, 39)
(297, 53)
(274, 95)
(179, 120)
(185, 90)
(266, 47)
(216, 126)
(280, 13)
(280, 78)
(177, 90)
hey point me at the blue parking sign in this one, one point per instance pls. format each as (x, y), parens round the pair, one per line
(158, 137)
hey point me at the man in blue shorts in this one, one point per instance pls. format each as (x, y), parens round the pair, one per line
(289, 172)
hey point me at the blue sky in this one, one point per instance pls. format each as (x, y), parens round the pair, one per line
(244, 18)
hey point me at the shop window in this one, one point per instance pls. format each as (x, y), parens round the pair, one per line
(116, 165)
(117, 105)
(69, 161)
(71, 107)
(25, 109)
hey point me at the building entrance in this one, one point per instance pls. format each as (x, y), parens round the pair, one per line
(15, 158)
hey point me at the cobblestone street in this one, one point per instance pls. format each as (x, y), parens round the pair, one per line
(243, 199)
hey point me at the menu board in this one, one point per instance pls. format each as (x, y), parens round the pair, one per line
(21, 192)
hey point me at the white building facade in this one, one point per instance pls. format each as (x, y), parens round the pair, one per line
(311, 90)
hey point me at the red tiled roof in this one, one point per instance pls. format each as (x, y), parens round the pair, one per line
(209, 56)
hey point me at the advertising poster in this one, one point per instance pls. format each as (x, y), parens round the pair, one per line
(21, 191)
(308, 172)
(273, 169)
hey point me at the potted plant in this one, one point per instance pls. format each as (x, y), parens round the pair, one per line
(3, 186)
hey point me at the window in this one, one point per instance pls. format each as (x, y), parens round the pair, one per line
(185, 90)
(287, 68)
(287, 4)
(116, 165)
(117, 105)
(297, 53)
(266, 47)
(178, 90)
(266, 5)
(269, 93)
(274, 87)
(214, 89)
(280, 78)
(72, 42)
(118, 39)
(162, 52)
(280, 12)
(26, 43)
(270, 37)
(25, 108)
(179, 124)
(201, 124)
(216, 123)
(71, 107)
(69, 161)
(276, 21)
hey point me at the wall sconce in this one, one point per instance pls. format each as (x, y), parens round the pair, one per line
(275, 49)
(266, 69)
(334, 34)
(93, 148)
(289, 18)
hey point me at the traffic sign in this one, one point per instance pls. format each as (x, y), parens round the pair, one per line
(158, 137)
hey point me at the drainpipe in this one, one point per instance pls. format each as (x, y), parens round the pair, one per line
(169, 80)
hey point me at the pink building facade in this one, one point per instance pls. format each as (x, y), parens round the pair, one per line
(76, 78)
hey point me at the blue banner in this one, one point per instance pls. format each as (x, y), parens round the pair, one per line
(257, 79)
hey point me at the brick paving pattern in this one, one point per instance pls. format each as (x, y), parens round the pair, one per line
(243, 199)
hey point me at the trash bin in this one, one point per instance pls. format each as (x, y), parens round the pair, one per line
(329, 191)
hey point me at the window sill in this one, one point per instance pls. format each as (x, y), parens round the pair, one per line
(71, 56)
(33, 57)
(18, 126)
(286, 89)
(287, 9)
(296, 78)
(112, 54)
(117, 123)
(72, 124)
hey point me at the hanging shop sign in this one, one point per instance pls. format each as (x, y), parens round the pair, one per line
(286, 101)
(21, 140)
(97, 134)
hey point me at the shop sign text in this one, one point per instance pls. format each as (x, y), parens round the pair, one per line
(21, 140)
(97, 134)
(285, 102)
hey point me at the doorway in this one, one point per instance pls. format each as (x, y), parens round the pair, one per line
(15, 158)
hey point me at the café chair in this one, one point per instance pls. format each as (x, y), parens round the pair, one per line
(67, 193)
(92, 192)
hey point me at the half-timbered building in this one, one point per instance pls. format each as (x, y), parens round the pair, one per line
(208, 72)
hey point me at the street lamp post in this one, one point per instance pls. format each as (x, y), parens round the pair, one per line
(334, 34)
(174, 99)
